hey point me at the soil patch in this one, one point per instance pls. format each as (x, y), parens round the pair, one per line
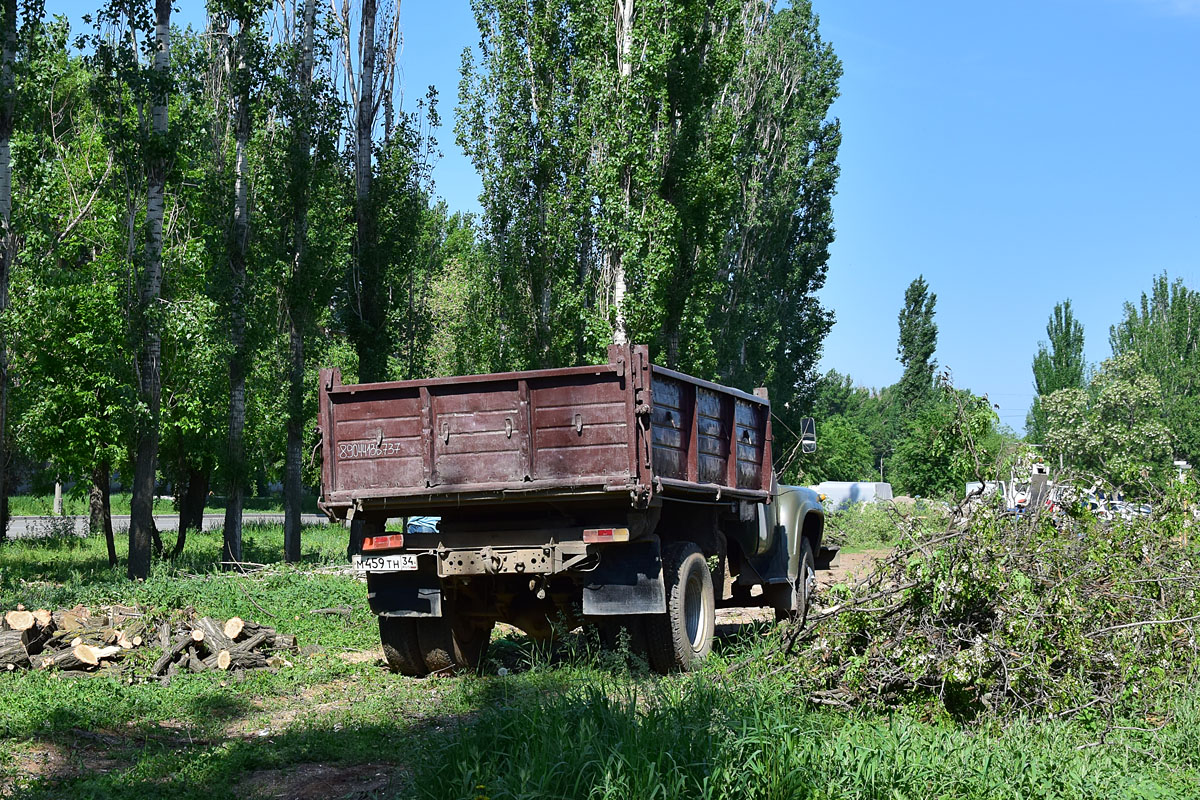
(319, 782)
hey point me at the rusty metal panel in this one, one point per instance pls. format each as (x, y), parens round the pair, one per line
(712, 437)
(579, 427)
(377, 440)
(671, 421)
(710, 434)
(751, 429)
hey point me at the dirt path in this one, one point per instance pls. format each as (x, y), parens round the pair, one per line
(850, 567)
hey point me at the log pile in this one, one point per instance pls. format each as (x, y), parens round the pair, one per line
(79, 640)
(207, 643)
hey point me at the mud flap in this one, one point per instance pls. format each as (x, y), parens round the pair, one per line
(405, 595)
(628, 580)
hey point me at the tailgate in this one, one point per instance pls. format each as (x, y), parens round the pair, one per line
(520, 431)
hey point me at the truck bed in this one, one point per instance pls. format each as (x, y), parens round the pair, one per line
(628, 430)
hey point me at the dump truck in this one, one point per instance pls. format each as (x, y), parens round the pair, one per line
(625, 495)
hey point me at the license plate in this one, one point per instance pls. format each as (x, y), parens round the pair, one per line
(394, 563)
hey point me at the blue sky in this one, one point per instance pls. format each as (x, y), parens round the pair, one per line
(1014, 153)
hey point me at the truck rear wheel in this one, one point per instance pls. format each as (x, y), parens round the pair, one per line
(453, 642)
(401, 649)
(682, 637)
(417, 647)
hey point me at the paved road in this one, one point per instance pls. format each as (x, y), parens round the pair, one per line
(31, 527)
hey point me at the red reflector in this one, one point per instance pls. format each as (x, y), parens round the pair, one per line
(598, 535)
(383, 542)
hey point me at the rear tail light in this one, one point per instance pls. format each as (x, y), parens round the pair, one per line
(388, 542)
(600, 535)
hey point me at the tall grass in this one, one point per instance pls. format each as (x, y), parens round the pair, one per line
(699, 737)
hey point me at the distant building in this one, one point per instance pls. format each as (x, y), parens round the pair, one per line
(843, 494)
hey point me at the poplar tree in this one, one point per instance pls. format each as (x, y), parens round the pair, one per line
(916, 345)
(1058, 365)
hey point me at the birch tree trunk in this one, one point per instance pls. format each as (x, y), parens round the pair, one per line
(297, 308)
(372, 358)
(141, 513)
(8, 243)
(624, 14)
(239, 235)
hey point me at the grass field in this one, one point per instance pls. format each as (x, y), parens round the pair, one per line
(873, 526)
(573, 723)
(29, 505)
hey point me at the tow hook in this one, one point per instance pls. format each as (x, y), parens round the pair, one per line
(492, 562)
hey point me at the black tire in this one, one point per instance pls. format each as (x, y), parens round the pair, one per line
(453, 643)
(798, 600)
(681, 638)
(401, 648)
(417, 647)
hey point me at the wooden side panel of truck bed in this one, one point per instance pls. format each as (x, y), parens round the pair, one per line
(622, 429)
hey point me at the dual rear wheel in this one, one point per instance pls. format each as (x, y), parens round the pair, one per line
(421, 646)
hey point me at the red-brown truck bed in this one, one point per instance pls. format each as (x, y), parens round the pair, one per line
(622, 429)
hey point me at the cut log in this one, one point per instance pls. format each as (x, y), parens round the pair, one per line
(106, 652)
(43, 617)
(169, 653)
(246, 659)
(119, 615)
(215, 639)
(277, 661)
(81, 656)
(19, 620)
(164, 635)
(136, 641)
(67, 620)
(233, 627)
(193, 662)
(197, 635)
(87, 654)
(260, 639)
(13, 652)
(285, 641)
(219, 661)
(37, 637)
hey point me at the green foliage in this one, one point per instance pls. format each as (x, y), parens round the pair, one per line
(675, 191)
(719, 739)
(874, 526)
(1160, 332)
(916, 345)
(580, 727)
(1058, 366)
(843, 453)
(1114, 428)
(949, 442)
